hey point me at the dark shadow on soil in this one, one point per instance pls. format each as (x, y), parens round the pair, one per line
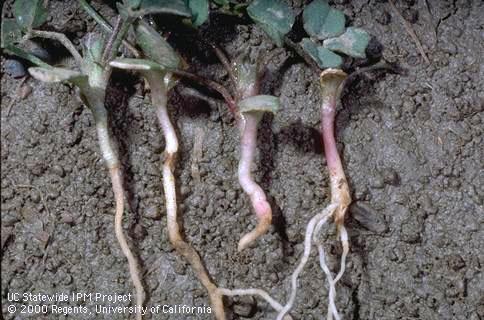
(305, 138)
(196, 43)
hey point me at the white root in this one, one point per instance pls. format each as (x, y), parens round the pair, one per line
(332, 310)
(316, 220)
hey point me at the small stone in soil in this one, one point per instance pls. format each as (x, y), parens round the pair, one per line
(14, 68)
(153, 212)
(42, 54)
(245, 306)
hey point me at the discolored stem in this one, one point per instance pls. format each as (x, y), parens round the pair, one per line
(332, 82)
(95, 100)
(106, 144)
(226, 63)
(213, 85)
(106, 26)
(159, 100)
(119, 34)
(248, 85)
(257, 196)
(109, 45)
(331, 85)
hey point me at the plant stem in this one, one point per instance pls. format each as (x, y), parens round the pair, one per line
(213, 85)
(26, 55)
(257, 196)
(109, 44)
(226, 63)
(159, 100)
(111, 49)
(331, 84)
(95, 101)
(108, 152)
(95, 15)
(119, 37)
(61, 38)
(106, 26)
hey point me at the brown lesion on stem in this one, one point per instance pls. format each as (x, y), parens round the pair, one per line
(332, 82)
(344, 202)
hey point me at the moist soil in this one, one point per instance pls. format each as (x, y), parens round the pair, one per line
(412, 149)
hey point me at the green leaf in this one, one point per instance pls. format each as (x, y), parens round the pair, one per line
(321, 21)
(30, 13)
(221, 2)
(136, 64)
(124, 10)
(25, 55)
(239, 8)
(59, 75)
(352, 43)
(176, 7)
(323, 57)
(10, 33)
(199, 10)
(134, 4)
(259, 104)
(275, 17)
(155, 47)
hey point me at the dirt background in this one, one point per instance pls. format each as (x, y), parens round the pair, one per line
(412, 147)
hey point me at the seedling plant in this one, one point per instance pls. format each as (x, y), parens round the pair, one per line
(91, 77)
(248, 107)
(158, 72)
(328, 42)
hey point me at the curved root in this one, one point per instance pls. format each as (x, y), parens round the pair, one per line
(118, 220)
(262, 227)
(316, 220)
(332, 310)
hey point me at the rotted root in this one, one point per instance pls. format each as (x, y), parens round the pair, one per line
(263, 225)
